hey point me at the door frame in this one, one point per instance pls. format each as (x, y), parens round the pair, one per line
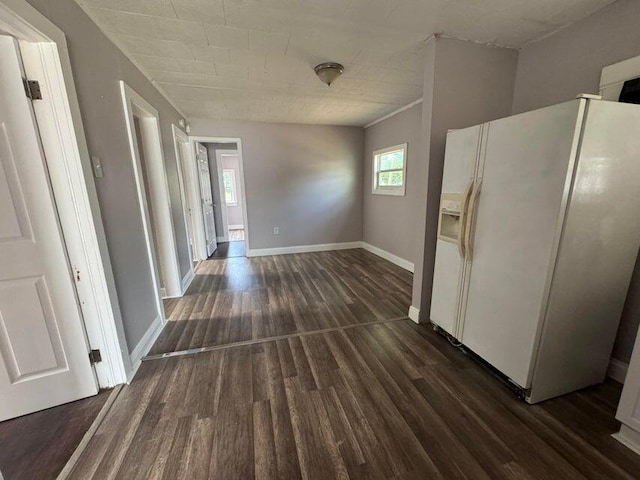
(135, 105)
(181, 139)
(243, 190)
(46, 58)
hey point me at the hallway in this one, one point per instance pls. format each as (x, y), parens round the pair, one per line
(241, 299)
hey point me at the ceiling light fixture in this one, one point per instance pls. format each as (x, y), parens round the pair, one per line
(328, 72)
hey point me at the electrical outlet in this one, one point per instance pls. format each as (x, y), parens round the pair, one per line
(276, 230)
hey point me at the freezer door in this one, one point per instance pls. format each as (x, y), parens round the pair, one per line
(459, 170)
(596, 254)
(523, 182)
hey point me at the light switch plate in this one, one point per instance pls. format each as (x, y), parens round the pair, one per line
(97, 167)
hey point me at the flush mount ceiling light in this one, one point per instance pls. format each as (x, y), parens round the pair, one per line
(328, 72)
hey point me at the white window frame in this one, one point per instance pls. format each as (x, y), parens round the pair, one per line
(234, 187)
(397, 191)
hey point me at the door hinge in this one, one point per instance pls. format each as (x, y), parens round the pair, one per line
(95, 357)
(32, 89)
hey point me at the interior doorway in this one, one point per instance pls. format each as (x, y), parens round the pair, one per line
(227, 181)
(153, 196)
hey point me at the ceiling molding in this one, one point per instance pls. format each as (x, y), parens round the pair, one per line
(394, 113)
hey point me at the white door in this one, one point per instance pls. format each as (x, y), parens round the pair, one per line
(187, 201)
(523, 179)
(206, 197)
(459, 171)
(43, 350)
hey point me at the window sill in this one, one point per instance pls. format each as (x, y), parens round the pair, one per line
(400, 192)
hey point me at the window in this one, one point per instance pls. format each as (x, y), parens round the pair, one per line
(230, 190)
(389, 170)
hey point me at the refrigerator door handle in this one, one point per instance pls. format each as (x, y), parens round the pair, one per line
(463, 216)
(468, 228)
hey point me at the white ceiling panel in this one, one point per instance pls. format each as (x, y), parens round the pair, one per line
(254, 59)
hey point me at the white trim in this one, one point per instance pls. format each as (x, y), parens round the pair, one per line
(164, 232)
(617, 370)
(414, 314)
(180, 137)
(186, 281)
(612, 77)
(243, 190)
(144, 345)
(323, 247)
(64, 142)
(629, 438)
(236, 227)
(222, 239)
(386, 190)
(394, 113)
(401, 262)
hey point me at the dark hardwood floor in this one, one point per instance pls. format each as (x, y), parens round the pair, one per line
(391, 400)
(38, 446)
(239, 299)
(230, 250)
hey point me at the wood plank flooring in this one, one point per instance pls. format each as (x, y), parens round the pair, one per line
(386, 401)
(238, 299)
(38, 446)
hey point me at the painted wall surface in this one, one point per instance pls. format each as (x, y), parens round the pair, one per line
(465, 84)
(389, 221)
(305, 179)
(559, 67)
(570, 62)
(234, 212)
(98, 66)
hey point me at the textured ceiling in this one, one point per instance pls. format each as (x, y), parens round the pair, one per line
(253, 60)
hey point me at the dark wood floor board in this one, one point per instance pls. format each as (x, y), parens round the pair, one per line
(379, 401)
(40, 444)
(390, 400)
(239, 299)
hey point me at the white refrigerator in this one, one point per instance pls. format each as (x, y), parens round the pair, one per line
(538, 234)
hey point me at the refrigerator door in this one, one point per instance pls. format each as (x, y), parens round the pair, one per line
(596, 254)
(524, 185)
(459, 171)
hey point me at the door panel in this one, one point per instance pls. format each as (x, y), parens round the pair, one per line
(459, 170)
(523, 179)
(206, 196)
(43, 350)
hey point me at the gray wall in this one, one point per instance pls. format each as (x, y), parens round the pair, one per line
(570, 62)
(98, 66)
(389, 221)
(306, 179)
(465, 84)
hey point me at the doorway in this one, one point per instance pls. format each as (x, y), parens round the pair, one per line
(229, 196)
(145, 141)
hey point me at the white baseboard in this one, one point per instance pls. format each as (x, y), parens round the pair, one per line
(186, 281)
(414, 314)
(617, 370)
(236, 227)
(144, 345)
(629, 438)
(323, 247)
(401, 262)
(222, 239)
